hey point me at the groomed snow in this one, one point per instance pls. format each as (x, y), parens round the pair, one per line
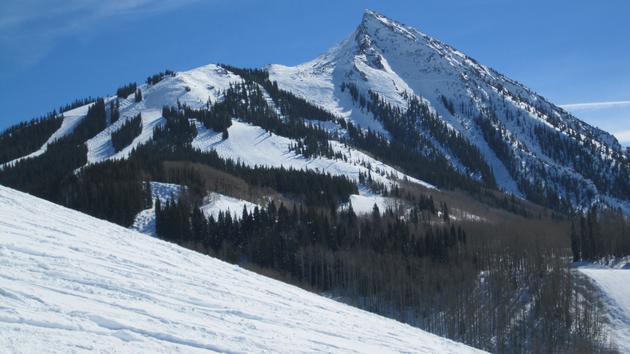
(253, 146)
(70, 283)
(71, 119)
(615, 285)
(194, 88)
(101, 148)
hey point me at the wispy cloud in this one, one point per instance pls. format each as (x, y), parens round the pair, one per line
(595, 105)
(623, 136)
(29, 29)
(611, 116)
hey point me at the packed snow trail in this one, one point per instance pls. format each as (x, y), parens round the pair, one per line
(615, 285)
(72, 283)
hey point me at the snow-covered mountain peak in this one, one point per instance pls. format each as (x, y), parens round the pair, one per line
(373, 21)
(529, 143)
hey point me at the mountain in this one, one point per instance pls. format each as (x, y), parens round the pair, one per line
(73, 283)
(534, 148)
(392, 173)
(440, 111)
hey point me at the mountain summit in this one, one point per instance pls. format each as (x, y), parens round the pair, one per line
(534, 148)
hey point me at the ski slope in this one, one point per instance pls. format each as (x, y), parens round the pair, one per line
(70, 283)
(254, 146)
(194, 88)
(615, 285)
(71, 119)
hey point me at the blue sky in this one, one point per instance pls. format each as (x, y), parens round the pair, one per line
(53, 51)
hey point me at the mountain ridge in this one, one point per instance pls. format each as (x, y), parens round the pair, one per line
(465, 117)
(422, 66)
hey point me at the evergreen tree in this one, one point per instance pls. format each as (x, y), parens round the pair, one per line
(138, 95)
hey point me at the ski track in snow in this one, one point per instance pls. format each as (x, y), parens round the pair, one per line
(615, 285)
(71, 283)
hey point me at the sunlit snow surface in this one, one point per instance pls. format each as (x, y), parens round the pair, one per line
(73, 283)
(215, 203)
(72, 118)
(254, 146)
(615, 285)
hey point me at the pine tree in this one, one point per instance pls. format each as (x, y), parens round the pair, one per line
(138, 95)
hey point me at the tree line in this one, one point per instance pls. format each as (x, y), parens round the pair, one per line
(131, 129)
(472, 283)
(26, 137)
(600, 234)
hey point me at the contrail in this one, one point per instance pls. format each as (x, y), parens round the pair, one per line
(591, 105)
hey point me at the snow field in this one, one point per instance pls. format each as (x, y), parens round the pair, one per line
(70, 283)
(615, 285)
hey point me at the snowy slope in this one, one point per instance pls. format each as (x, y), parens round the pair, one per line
(195, 88)
(71, 119)
(395, 60)
(615, 285)
(253, 146)
(215, 203)
(364, 203)
(73, 283)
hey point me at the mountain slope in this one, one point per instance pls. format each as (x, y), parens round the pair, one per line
(534, 148)
(73, 283)
(614, 284)
(448, 120)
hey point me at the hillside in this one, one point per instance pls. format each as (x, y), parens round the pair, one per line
(615, 287)
(73, 283)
